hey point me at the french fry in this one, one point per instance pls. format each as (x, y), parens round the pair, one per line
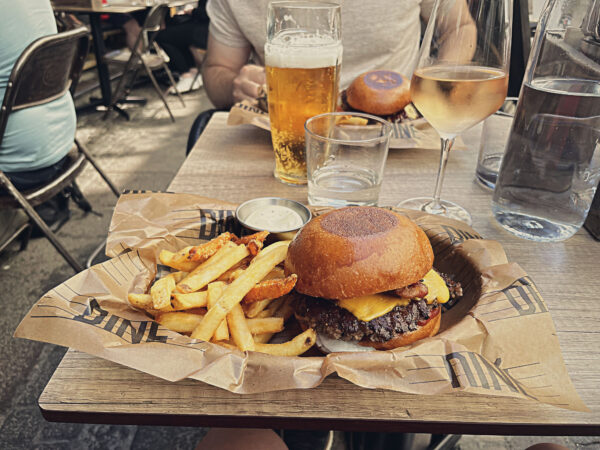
(239, 328)
(260, 266)
(232, 273)
(187, 301)
(285, 311)
(277, 272)
(215, 289)
(141, 301)
(271, 289)
(254, 309)
(177, 261)
(265, 325)
(269, 311)
(262, 338)
(161, 292)
(181, 322)
(229, 255)
(201, 253)
(295, 347)
(260, 236)
(178, 276)
(254, 246)
(201, 311)
(227, 344)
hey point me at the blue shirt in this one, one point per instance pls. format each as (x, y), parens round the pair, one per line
(39, 136)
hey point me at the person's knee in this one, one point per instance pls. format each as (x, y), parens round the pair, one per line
(241, 438)
(547, 446)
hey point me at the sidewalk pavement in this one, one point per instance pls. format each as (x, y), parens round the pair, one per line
(143, 153)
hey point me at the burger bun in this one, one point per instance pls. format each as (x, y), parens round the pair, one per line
(379, 92)
(358, 250)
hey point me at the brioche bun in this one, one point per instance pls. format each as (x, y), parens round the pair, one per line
(356, 251)
(379, 92)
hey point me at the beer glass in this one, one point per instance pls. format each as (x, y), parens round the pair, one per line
(461, 78)
(303, 54)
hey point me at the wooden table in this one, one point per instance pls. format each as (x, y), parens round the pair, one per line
(227, 163)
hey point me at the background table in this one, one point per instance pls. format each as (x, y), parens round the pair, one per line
(99, 49)
(235, 164)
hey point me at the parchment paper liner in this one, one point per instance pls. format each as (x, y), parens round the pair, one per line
(498, 340)
(425, 137)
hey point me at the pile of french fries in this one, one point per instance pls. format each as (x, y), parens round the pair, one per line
(230, 291)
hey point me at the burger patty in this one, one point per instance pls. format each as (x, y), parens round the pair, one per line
(338, 323)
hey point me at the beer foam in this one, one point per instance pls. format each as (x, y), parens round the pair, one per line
(303, 52)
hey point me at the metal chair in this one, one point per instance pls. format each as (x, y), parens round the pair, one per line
(45, 71)
(141, 56)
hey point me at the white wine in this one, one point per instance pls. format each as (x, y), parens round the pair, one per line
(454, 98)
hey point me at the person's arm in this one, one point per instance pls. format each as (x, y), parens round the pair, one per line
(227, 77)
(466, 31)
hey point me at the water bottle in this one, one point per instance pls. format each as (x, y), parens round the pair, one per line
(551, 167)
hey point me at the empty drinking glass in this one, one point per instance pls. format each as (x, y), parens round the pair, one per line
(345, 155)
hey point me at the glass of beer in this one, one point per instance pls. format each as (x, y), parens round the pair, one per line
(303, 54)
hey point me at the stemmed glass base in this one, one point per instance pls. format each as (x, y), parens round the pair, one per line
(445, 208)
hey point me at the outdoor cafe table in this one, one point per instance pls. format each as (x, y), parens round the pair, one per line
(235, 164)
(99, 49)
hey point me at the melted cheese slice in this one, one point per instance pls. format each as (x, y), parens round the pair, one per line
(369, 307)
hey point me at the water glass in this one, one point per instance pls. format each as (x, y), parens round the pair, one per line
(345, 156)
(551, 167)
(494, 136)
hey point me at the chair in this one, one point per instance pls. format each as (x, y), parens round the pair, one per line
(141, 56)
(521, 46)
(45, 71)
(198, 127)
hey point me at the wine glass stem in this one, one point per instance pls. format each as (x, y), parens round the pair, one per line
(446, 146)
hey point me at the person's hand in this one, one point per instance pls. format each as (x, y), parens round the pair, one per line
(248, 82)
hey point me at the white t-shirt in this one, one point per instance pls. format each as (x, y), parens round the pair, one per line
(381, 34)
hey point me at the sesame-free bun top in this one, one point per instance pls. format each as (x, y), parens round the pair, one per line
(379, 92)
(356, 251)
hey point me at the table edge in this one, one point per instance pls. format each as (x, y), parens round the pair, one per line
(390, 426)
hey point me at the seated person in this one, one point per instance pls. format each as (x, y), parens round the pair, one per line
(376, 35)
(37, 139)
(130, 23)
(182, 32)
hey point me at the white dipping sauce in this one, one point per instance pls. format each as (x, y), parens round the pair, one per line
(274, 218)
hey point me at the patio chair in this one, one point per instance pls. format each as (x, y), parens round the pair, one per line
(45, 71)
(143, 57)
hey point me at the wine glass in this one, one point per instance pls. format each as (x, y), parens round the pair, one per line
(461, 78)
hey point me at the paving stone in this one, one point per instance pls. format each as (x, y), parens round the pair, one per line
(28, 393)
(522, 442)
(56, 432)
(108, 437)
(167, 437)
(60, 445)
(20, 427)
(586, 442)
(15, 368)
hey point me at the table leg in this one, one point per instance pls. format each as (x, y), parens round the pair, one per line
(103, 73)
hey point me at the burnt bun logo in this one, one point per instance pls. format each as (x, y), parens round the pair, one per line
(383, 79)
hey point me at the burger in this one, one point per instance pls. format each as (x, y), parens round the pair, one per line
(382, 93)
(365, 276)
